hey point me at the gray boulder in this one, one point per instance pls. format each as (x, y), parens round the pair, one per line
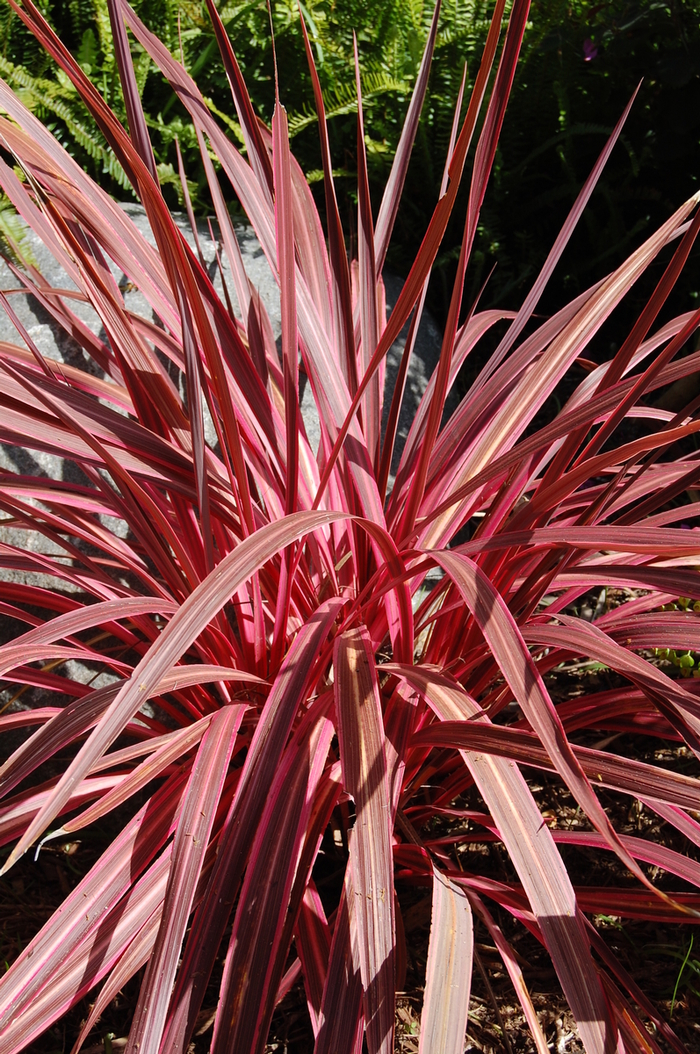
(55, 345)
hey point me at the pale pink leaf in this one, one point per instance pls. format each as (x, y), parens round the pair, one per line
(448, 972)
(363, 757)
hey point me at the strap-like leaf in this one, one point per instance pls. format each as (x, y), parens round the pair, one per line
(262, 761)
(340, 1021)
(184, 627)
(246, 1006)
(394, 185)
(448, 972)
(85, 908)
(609, 770)
(363, 757)
(191, 842)
(508, 648)
(535, 857)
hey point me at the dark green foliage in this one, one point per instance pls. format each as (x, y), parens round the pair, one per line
(581, 63)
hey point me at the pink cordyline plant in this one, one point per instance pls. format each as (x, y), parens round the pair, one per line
(284, 662)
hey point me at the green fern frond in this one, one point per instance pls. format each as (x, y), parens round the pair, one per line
(19, 76)
(343, 100)
(233, 126)
(316, 175)
(104, 32)
(14, 240)
(167, 176)
(142, 66)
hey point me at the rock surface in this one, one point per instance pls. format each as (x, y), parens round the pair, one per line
(54, 344)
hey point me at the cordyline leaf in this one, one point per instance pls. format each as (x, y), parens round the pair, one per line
(310, 241)
(577, 634)
(84, 909)
(483, 161)
(399, 609)
(531, 301)
(191, 841)
(657, 855)
(250, 126)
(533, 852)
(431, 242)
(87, 962)
(198, 610)
(633, 1030)
(676, 816)
(469, 336)
(340, 1021)
(617, 970)
(59, 651)
(238, 831)
(611, 771)
(313, 943)
(176, 263)
(193, 377)
(514, 971)
(78, 717)
(325, 800)
(184, 272)
(341, 295)
(517, 666)
(674, 582)
(16, 812)
(448, 972)
(506, 424)
(369, 323)
(188, 205)
(29, 718)
(135, 956)
(143, 452)
(562, 425)
(652, 630)
(109, 125)
(458, 352)
(284, 235)
(157, 547)
(112, 216)
(639, 331)
(241, 1022)
(242, 283)
(177, 745)
(562, 486)
(132, 98)
(394, 185)
(284, 239)
(25, 648)
(324, 372)
(627, 903)
(361, 739)
(637, 904)
(666, 541)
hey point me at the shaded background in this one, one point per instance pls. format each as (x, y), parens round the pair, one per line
(580, 63)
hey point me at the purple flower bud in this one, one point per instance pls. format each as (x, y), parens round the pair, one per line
(589, 50)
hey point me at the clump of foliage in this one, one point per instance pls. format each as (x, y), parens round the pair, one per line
(298, 647)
